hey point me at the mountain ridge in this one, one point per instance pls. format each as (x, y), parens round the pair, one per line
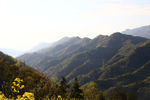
(118, 61)
(143, 31)
(106, 46)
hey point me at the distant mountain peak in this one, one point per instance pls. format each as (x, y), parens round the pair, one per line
(117, 33)
(143, 31)
(40, 46)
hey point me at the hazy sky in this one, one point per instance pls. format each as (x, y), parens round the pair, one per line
(25, 23)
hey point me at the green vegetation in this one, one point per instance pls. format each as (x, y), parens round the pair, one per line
(70, 58)
(105, 68)
(91, 92)
(24, 83)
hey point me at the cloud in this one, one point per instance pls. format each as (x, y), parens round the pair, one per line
(113, 10)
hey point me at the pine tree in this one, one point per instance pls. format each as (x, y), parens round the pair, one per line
(76, 92)
(62, 89)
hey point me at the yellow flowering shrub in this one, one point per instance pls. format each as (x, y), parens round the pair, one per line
(59, 97)
(26, 96)
(2, 96)
(17, 85)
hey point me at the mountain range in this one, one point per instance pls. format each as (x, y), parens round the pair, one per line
(143, 31)
(38, 47)
(118, 60)
(42, 46)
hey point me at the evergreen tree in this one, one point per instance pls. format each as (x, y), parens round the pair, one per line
(76, 92)
(62, 89)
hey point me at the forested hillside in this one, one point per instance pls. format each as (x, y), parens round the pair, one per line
(10, 69)
(20, 82)
(80, 56)
(115, 66)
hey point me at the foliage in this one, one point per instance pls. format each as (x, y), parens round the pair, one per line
(16, 85)
(76, 92)
(91, 92)
(32, 80)
(81, 56)
(2, 96)
(116, 61)
(26, 96)
(16, 90)
(63, 87)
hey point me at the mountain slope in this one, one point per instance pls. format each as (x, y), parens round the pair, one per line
(78, 57)
(53, 55)
(40, 46)
(118, 62)
(10, 68)
(141, 31)
(43, 46)
(128, 72)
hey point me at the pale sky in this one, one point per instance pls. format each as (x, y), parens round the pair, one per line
(25, 23)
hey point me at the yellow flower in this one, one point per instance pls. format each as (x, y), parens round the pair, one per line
(12, 87)
(14, 83)
(22, 87)
(18, 96)
(2, 96)
(18, 85)
(16, 91)
(28, 96)
(17, 79)
(59, 96)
